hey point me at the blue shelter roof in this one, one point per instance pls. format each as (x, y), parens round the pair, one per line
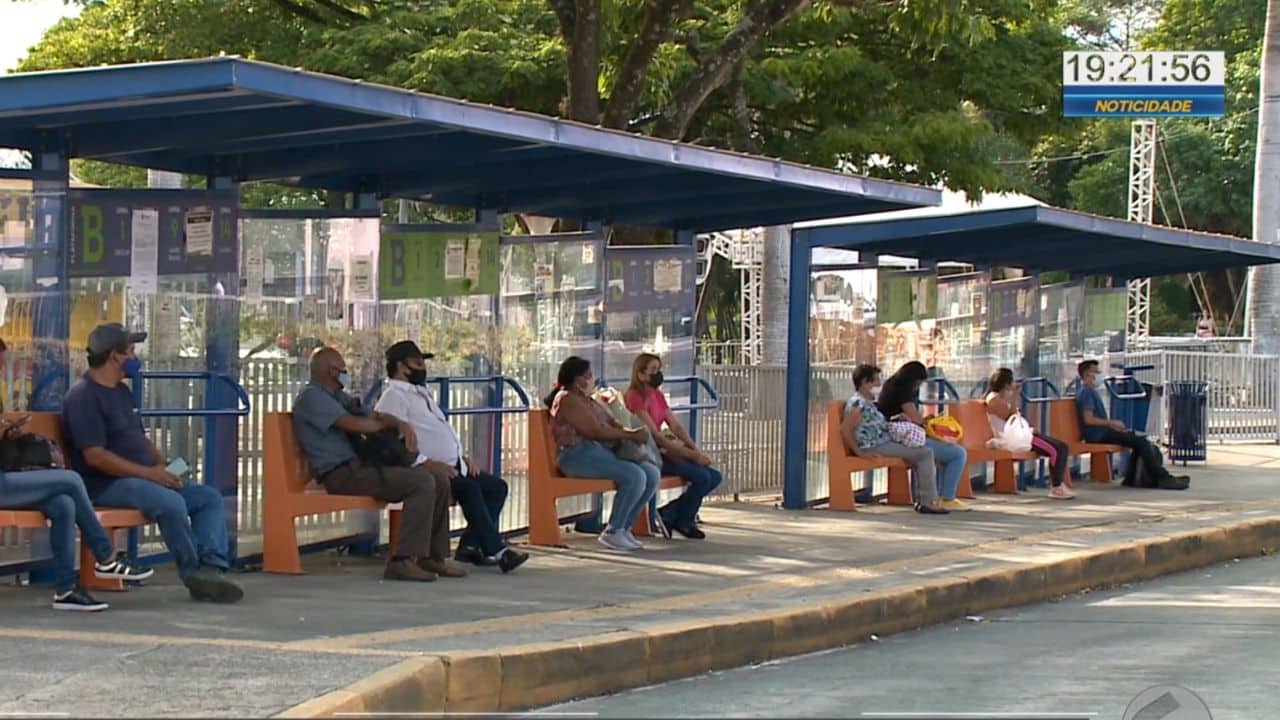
(1041, 238)
(256, 121)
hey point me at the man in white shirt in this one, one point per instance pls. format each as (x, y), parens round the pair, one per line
(479, 494)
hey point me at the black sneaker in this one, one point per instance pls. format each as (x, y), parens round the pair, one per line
(474, 556)
(79, 600)
(121, 568)
(511, 559)
(207, 584)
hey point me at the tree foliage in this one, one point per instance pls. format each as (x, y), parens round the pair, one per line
(1204, 177)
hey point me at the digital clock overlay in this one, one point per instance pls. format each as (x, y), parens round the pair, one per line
(1143, 84)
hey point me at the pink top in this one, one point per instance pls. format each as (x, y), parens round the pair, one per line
(564, 434)
(653, 402)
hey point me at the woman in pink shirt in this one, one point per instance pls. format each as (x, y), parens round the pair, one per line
(681, 456)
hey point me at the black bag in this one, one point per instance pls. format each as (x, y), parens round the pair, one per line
(27, 451)
(382, 449)
(1144, 478)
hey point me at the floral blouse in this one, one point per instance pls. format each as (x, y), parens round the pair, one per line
(874, 428)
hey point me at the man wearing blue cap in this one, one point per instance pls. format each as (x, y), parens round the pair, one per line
(121, 467)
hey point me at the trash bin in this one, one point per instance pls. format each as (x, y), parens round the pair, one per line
(1188, 407)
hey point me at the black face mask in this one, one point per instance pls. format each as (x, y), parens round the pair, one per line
(417, 376)
(655, 379)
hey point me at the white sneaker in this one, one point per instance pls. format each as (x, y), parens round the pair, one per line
(1061, 492)
(615, 541)
(635, 544)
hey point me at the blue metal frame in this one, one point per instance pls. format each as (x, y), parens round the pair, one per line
(250, 120)
(1048, 238)
(795, 461)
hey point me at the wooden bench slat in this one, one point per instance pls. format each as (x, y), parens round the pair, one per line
(841, 464)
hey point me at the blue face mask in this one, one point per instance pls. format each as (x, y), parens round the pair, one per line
(344, 379)
(131, 366)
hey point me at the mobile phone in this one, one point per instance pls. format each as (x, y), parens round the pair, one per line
(177, 467)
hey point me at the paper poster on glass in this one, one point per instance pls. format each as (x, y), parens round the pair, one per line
(419, 264)
(842, 316)
(1013, 312)
(906, 317)
(650, 307)
(961, 349)
(1061, 331)
(1104, 320)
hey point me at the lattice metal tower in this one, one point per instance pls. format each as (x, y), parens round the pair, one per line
(1142, 193)
(744, 249)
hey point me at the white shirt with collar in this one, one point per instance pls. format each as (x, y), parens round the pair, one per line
(413, 404)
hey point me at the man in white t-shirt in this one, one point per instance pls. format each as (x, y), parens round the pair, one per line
(479, 494)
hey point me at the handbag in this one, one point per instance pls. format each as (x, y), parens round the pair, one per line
(384, 448)
(611, 400)
(905, 432)
(28, 451)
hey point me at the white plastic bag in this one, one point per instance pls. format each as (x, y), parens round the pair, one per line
(1017, 434)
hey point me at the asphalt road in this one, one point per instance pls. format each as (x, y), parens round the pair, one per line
(1212, 631)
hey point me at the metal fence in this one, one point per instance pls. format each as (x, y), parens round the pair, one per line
(746, 433)
(1243, 390)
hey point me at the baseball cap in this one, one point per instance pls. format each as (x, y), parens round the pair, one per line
(406, 350)
(109, 336)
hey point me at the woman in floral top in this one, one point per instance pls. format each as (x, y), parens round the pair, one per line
(866, 433)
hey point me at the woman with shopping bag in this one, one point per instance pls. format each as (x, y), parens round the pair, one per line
(1011, 431)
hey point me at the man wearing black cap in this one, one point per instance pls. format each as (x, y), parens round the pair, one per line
(121, 467)
(324, 418)
(479, 494)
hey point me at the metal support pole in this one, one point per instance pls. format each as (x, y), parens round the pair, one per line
(222, 357)
(51, 322)
(795, 488)
(1142, 191)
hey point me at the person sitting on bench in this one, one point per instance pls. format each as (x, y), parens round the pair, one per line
(122, 468)
(865, 432)
(61, 496)
(1097, 428)
(1002, 399)
(479, 494)
(581, 428)
(898, 398)
(323, 415)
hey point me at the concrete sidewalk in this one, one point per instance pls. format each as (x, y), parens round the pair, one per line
(581, 620)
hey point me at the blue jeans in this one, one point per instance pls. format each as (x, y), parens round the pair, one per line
(953, 459)
(481, 497)
(703, 479)
(202, 541)
(636, 482)
(61, 496)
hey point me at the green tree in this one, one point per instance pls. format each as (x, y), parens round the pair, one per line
(958, 85)
(1204, 174)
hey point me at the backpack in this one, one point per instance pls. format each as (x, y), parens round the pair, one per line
(382, 449)
(1142, 477)
(28, 451)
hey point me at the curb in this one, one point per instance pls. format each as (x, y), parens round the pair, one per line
(527, 676)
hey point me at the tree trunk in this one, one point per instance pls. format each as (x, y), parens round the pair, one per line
(656, 27)
(775, 292)
(1263, 310)
(759, 18)
(584, 63)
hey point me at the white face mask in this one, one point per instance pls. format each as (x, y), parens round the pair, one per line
(875, 391)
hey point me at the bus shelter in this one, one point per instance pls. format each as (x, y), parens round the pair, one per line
(1021, 315)
(236, 296)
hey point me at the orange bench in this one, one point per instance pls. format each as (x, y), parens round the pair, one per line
(289, 492)
(972, 416)
(49, 424)
(1064, 424)
(546, 485)
(842, 463)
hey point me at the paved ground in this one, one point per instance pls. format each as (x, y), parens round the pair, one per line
(155, 653)
(1211, 631)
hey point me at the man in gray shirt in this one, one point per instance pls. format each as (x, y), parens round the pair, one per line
(323, 417)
